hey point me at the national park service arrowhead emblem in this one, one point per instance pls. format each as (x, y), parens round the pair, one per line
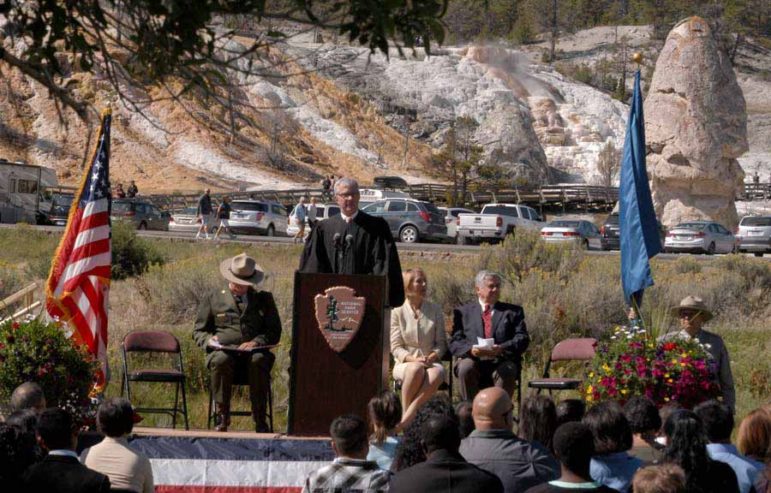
(339, 314)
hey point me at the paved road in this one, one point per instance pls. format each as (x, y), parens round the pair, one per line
(419, 247)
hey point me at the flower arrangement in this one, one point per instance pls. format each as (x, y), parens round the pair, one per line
(630, 363)
(41, 352)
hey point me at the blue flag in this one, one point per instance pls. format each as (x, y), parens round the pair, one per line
(639, 231)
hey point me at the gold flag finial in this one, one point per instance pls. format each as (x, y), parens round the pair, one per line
(107, 112)
(637, 57)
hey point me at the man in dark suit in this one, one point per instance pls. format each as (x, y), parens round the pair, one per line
(353, 242)
(444, 469)
(487, 318)
(61, 471)
(232, 324)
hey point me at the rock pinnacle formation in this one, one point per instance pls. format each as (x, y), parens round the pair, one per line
(696, 127)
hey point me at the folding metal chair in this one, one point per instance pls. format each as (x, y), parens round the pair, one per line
(155, 342)
(579, 349)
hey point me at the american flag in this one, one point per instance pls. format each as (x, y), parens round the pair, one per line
(79, 282)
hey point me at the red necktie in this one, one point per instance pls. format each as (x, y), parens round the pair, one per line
(487, 320)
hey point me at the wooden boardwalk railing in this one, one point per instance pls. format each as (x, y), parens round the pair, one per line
(24, 299)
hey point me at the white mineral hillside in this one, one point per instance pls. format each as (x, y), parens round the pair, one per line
(542, 126)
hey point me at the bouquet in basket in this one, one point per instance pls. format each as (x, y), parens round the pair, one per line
(631, 363)
(35, 351)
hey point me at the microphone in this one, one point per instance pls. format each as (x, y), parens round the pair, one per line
(336, 240)
(348, 241)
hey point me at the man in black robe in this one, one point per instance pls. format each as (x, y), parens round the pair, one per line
(354, 242)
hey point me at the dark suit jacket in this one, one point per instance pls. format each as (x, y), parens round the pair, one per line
(445, 471)
(509, 330)
(58, 474)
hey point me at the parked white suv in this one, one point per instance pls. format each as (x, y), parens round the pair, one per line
(754, 235)
(323, 211)
(258, 217)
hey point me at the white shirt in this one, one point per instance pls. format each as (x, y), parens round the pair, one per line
(346, 218)
(482, 305)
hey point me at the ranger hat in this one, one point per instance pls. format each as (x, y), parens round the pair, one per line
(693, 304)
(242, 269)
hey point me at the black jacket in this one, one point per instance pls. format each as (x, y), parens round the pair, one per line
(447, 472)
(60, 474)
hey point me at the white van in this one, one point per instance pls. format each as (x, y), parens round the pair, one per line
(369, 195)
(323, 211)
(21, 187)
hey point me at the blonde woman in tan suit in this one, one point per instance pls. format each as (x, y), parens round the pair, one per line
(418, 342)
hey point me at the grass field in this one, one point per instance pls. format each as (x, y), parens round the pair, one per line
(564, 293)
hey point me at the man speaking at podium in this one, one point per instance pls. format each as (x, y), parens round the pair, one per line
(354, 242)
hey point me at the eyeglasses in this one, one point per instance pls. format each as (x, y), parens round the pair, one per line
(347, 196)
(688, 313)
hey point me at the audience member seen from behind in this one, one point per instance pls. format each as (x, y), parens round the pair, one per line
(385, 412)
(492, 446)
(350, 471)
(644, 419)
(410, 450)
(26, 422)
(223, 215)
(418, 342)
(444, 468)
(570, 410)
(538, 420)
(665, 412)
(663, 478)
(126, 468)
(61, 471)
(16, 454)
(687, 447)
(718, 424)
(28, 395)
(611, 464)
(574, 447)
(754, 436)
(464, 410)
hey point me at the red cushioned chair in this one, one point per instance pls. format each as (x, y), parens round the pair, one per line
(156, 342)
(579, 349)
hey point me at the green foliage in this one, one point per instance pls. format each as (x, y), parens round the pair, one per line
(131, 255)
(35, 351)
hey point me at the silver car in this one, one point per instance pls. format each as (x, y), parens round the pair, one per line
(579, 231)
(700, 236)
(258, 217)
(143, 215)
(410, 220)
(184, 221)
(754, 234)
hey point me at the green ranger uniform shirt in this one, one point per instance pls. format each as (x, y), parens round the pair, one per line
(234, 323)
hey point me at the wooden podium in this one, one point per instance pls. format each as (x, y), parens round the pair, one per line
(336, 370)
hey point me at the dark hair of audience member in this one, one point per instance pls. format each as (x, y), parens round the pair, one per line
(28, 395)
(754, 436)
(574, 447)
(643, 415)
(16, 454)
(115, 417)
(662, 478)
(686, 443)
(465, 418)
(666, 411)
(440, 432)
(610, 428)
(26, 421)
(349, 432)
(570, 410)
(385, 412)
(410, 450)
(538, 420)
(718, 420)
(54, 427)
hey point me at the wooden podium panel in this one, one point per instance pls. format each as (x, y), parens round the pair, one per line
(324, 383)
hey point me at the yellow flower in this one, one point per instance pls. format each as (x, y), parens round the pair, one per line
(684, 355)
(666, 399)
(683, 365)
(589, 389)
(669, 380)
(666, 375)
(606, 368)
(624, 391)
(589, 398)
(674, 361)
(591, 374)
